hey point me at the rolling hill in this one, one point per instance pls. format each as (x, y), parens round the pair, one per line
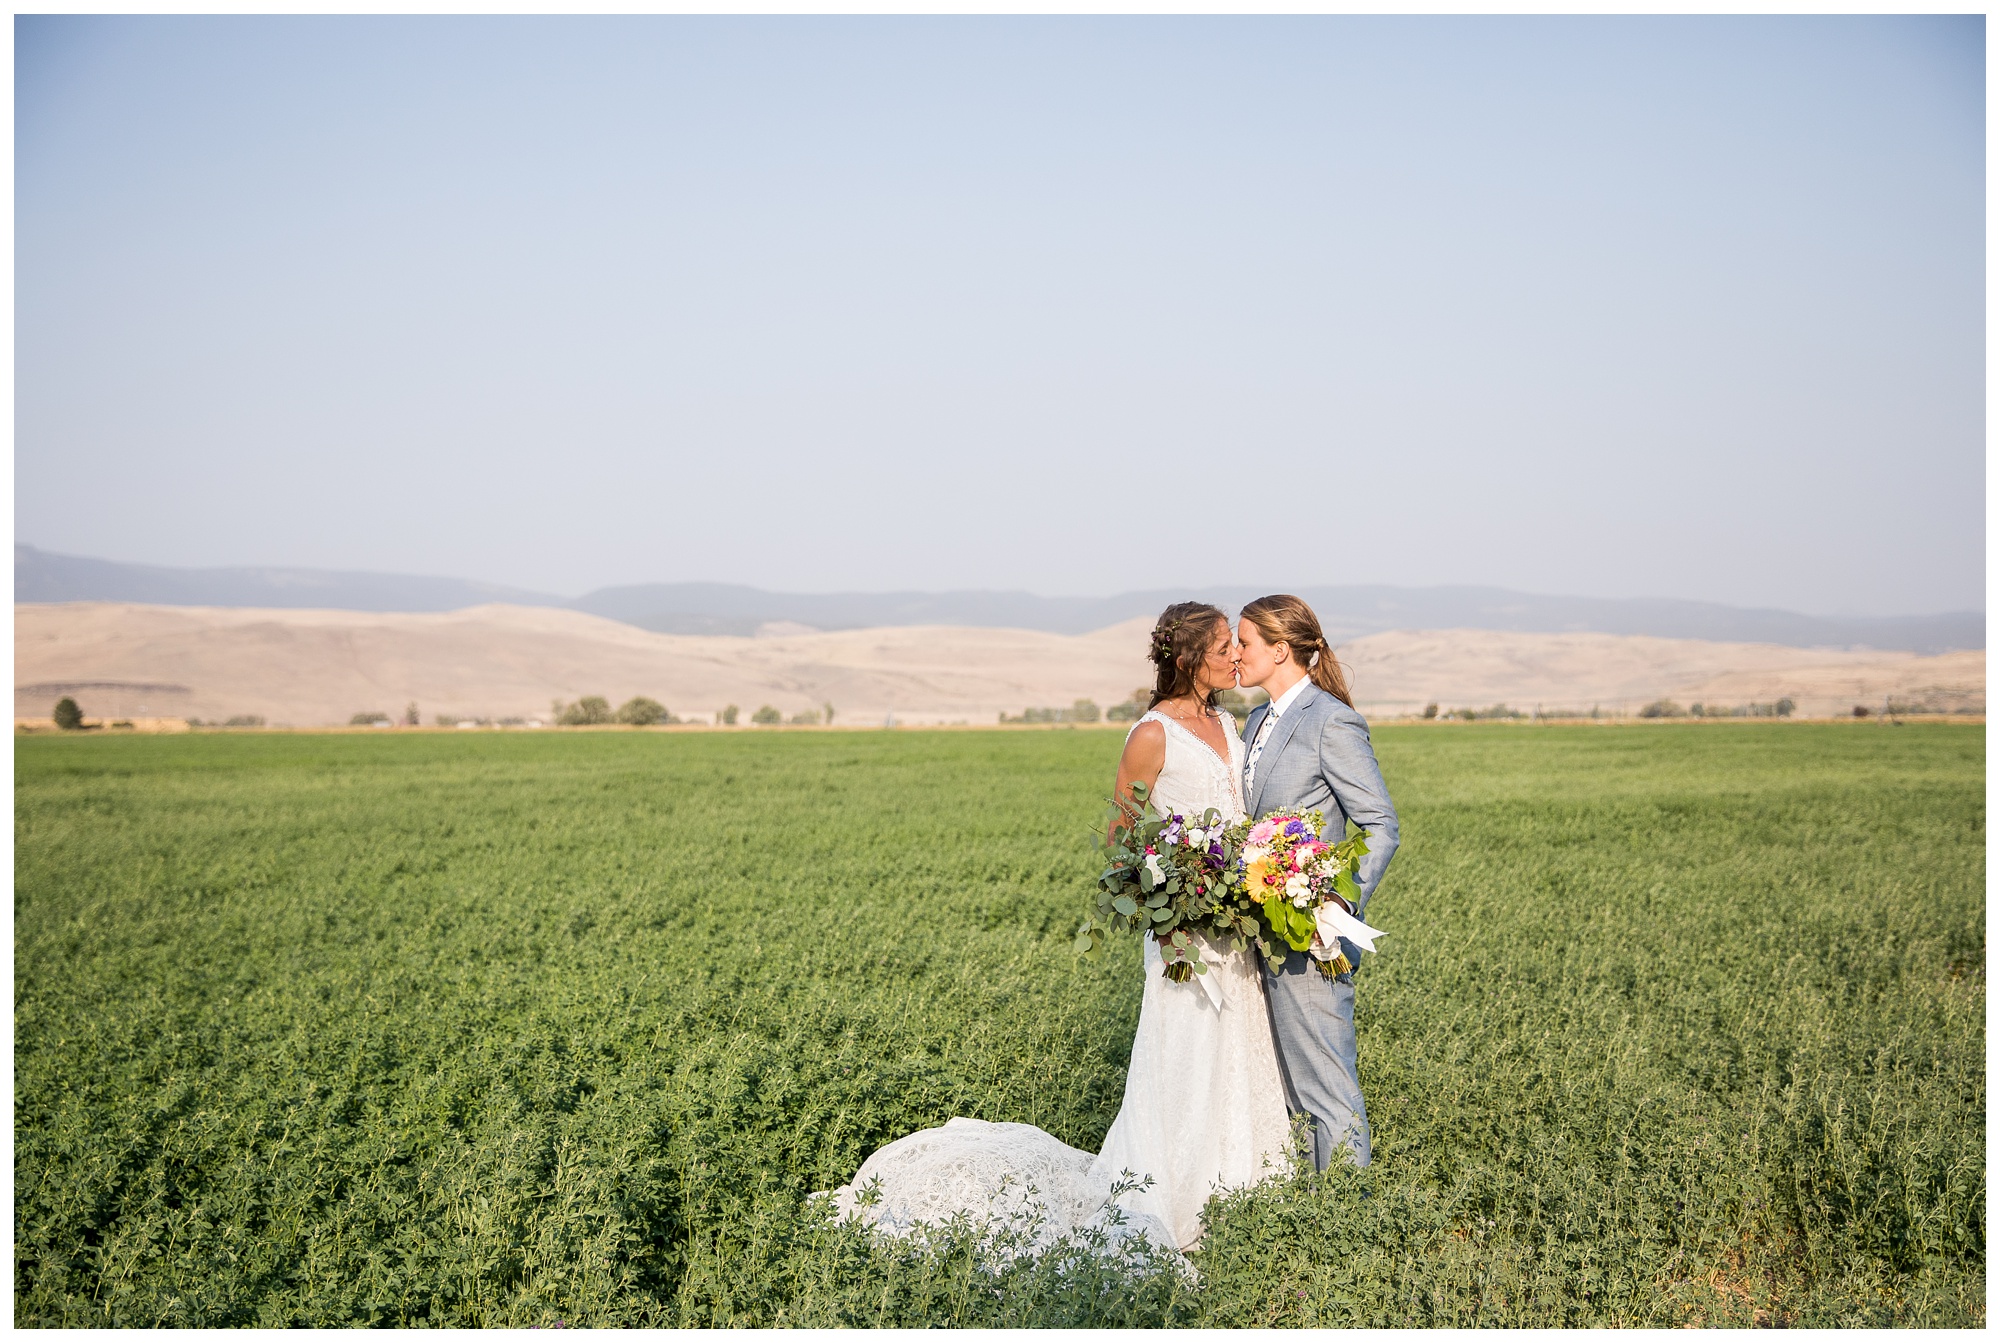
(308, 667)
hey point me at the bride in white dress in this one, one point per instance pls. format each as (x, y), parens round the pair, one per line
(1204, 1106)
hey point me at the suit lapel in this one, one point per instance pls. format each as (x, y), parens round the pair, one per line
(1275, 747)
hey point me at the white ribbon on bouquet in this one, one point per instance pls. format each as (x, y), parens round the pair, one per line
(1211, 987)
(1209, 984)
(1335, 923)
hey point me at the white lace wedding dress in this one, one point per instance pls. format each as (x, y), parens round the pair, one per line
(1204, 1103)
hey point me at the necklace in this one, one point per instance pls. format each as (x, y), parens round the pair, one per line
(1206, 711)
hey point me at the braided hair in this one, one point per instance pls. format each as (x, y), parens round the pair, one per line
(1180, 641)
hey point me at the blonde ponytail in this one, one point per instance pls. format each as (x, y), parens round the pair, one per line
(1284, 619)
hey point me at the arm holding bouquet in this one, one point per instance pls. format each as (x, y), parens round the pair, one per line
(1354, 780)
(1145, 755)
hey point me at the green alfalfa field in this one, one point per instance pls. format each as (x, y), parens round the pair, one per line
(1675, 1024)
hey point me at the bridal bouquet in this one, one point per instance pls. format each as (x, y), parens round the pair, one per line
(1167, 875)
(1305, 886)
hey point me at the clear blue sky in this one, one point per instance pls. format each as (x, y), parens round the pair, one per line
(1683, 307)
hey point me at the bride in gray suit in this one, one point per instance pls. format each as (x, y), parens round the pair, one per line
(1309, 750)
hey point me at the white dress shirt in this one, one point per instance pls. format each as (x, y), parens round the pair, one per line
(1278, 707)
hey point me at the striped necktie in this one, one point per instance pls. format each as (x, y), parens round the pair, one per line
(1257, 749)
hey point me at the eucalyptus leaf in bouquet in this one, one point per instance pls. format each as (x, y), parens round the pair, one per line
(1167, 874)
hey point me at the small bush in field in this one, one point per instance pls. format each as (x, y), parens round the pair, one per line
(590, 711)
(639, 711)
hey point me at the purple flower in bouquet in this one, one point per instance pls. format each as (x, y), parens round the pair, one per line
(1166, 877)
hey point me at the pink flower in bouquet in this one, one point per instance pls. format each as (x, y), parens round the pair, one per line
(1261, 832)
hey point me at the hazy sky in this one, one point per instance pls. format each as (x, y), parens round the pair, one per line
(1685, 307)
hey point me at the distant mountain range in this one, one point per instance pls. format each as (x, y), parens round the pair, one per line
(42, 577)
(724, 608)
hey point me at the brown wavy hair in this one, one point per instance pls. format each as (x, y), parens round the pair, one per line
(1284, 619)
(1180, 641)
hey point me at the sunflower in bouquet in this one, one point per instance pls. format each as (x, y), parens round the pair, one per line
(1305, 886)
(1168, 875)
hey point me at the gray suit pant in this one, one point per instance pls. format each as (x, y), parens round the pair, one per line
(1312, 1020)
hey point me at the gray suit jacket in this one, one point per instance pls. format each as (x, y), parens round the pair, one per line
(1318, 758)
